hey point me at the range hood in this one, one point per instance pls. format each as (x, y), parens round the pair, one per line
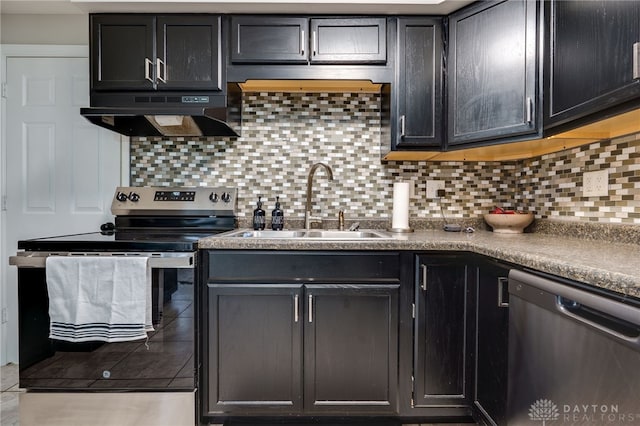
(163, 121)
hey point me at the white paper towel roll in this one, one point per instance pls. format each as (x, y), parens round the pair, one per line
(401, 192)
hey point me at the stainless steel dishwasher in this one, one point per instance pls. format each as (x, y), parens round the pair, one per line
(574, 355)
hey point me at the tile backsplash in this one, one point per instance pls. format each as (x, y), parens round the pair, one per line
(283, 135)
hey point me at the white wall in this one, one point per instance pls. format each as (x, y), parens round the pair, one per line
(44, 29)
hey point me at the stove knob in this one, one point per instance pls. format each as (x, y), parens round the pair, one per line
(122, 197)
(214, 197)
(226, 197)
(134, 197)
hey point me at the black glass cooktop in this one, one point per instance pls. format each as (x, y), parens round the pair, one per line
(117, 241)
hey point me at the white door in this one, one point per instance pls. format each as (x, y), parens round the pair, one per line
(61, 170)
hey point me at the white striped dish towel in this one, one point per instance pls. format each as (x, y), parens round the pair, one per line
(99, 298)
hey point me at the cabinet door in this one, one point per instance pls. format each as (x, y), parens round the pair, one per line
(441, 371)
(492, 313)
(188, 53)
(591, 57)
(493, 71)
(254, 350)
(269, 40)
(418, 84)
(349, 41)
(351, 345)
(122, 52)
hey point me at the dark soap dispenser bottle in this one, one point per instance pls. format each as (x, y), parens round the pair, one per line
(258, 217)
(277, 217)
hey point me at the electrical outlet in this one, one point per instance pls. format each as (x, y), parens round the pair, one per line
(432, 188)
(595, 184)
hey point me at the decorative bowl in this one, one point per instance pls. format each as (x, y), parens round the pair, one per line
(506, 223)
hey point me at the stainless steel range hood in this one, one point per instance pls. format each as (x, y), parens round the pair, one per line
(163, 121)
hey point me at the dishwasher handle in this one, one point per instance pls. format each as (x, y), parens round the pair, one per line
(615, 319)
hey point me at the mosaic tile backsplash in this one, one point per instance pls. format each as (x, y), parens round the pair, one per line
(283, 135)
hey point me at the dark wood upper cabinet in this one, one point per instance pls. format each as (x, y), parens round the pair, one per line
(492, 70)
(189, 53)
(590, 62)
(148, 52)
(269, 40)
(303, 40)
(349, 41)
(122, 52)
(443, 321)
(417, 115)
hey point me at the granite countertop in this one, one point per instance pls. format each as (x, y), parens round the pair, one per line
(613, 266)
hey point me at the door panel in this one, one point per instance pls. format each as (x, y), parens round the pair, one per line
(61, 170)
(353, 41)
(257, 335)
(419, 90)
(492, 62)
(441, 373)
(38, 174)
(191, 52)
(351, 348)
(120, 44)
(269, 40)
(590, 57)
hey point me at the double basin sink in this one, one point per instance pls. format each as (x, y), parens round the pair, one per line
(311, 234)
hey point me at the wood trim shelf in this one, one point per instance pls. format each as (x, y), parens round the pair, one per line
(619, 125)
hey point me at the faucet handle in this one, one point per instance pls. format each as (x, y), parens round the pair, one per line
(354, 226)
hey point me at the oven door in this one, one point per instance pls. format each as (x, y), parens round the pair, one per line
(162, 363)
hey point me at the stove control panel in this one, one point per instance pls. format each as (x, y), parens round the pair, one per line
(174, 201)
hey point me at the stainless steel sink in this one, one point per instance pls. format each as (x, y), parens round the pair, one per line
(266, 234)
(311, 235)
(346, 235)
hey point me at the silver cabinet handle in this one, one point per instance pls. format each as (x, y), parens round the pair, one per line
(502, 282)
(162, 70)
(302, 42)
(424, 277)
(529, 110)
(148, 65)
(402, 129)
(296, 308)
(314, 44)
(636, 60)
(310, 308)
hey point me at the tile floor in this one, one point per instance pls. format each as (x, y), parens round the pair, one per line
(9, 415)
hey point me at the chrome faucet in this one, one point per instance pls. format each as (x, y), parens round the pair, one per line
(308, 219)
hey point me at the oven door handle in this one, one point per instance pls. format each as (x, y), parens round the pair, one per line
(164, 260)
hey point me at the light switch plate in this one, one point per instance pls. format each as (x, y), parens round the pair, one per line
(432, 188)
(595, 184)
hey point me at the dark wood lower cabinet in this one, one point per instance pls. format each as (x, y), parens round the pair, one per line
(255, 339)
(492, 313)
(351, 348)
(443, 322)
(326, 335)
(312, 341)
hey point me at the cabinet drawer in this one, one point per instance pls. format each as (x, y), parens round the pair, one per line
(296, 266)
